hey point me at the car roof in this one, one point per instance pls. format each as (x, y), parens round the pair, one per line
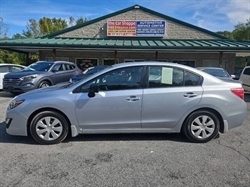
(152, 63)
(54, 62)
(209, 68)
(8, 64)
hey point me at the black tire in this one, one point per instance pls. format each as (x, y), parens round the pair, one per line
(206, 130)
(49, 127)
(44, 84)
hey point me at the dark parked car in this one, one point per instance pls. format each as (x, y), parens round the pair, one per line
(39, 75)
(87, 72)
(219, 73)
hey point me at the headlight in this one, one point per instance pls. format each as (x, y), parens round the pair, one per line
(29, 77)
(14, 104)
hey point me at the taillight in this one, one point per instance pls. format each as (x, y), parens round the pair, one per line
(239, 92)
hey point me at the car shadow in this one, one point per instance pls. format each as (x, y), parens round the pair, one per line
(6, 94)
(175, 137)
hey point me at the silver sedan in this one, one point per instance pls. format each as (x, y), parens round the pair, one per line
(138, 97)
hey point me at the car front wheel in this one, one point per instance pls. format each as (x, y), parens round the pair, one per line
(44, 84)
(49, 127)
(201, 126)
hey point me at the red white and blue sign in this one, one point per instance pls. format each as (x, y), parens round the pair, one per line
(137, 28)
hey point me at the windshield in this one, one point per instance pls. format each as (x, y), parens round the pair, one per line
(217, 72)
(39, 66)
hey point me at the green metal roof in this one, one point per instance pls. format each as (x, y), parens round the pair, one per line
(127, 44)
(132, 8)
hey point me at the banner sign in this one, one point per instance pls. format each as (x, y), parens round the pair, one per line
(136, 28)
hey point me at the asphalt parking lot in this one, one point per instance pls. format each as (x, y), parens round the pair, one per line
(126, 159)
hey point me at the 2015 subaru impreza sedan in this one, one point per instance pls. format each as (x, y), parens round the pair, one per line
(137, 97)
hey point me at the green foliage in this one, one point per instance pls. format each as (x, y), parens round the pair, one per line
(241, 31)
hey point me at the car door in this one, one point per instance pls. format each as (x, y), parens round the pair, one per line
(3, 70)
(70, 71)
(170, 93)
(57, 75)
(117, 105)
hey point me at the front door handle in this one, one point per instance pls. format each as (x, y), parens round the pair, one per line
(133, 98)
(190, 94)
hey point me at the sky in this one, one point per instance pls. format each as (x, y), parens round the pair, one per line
(213, 15)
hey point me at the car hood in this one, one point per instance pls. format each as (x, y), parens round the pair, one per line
(22, 74)
(44, 91)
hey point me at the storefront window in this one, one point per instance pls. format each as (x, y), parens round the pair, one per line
(185, 62)
(214, 63)
(58, 59)
(110, 62)
(84, 63)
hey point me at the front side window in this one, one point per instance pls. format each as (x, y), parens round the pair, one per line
(119, 79)
(163, 76)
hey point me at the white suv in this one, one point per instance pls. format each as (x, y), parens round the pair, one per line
(7, 68)
(245, 78)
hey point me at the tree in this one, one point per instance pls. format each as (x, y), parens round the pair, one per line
(3, 29)
(242, 31)
(227, 34)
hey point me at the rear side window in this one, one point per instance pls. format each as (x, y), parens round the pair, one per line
(191, 79)
(246, 71)
(4, 69)
(163, 76)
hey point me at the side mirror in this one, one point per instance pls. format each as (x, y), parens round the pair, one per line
(53, 70)
(233, 76)
(94, 88)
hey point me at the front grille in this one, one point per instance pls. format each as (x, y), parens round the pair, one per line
(11, 81)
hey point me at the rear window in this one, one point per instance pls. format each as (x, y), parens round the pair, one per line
(246, 71)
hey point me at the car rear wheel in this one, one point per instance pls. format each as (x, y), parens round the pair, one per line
(49, 127)
(44, 84)
(201, 126)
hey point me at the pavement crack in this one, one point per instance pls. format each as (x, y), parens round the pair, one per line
(234, 150)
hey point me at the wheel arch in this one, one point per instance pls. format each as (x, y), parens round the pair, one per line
(221, 128)
(45, 79)
(47, 109)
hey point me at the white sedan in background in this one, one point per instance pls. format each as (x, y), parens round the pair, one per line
(7, 68)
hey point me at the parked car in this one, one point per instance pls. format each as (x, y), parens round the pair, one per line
(6, 68)
(87, 72)
(245, 78)
(218, 72)
(237, 74)
(139, 97)
(39, 75)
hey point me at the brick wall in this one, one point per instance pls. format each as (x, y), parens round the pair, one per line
(146, 55)
(173, 30)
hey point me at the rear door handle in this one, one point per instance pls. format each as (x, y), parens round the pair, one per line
(190, 94)
(133, 98)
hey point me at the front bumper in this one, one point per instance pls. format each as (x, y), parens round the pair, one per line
(19, 88)
(16, 123)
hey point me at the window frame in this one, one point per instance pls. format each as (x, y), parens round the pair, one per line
(142, 81)
(146, 83)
